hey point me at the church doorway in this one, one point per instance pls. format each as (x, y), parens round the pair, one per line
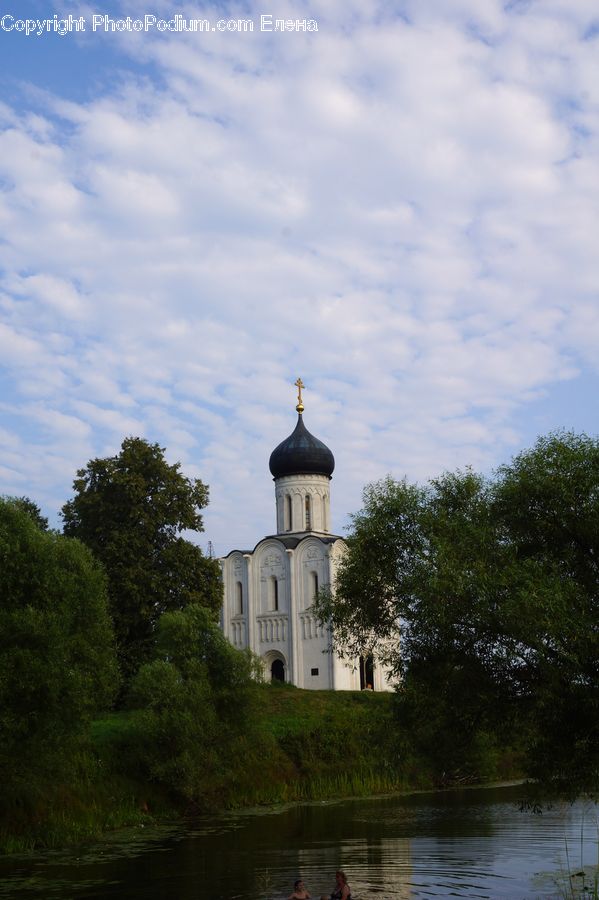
(277, 670)
(367, 673)
(275, 666)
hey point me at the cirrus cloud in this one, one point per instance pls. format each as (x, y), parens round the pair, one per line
(400, 208)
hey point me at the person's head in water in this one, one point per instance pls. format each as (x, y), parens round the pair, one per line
(340, 885)
(299, 890)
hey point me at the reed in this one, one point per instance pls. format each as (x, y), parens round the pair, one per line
(578, 881)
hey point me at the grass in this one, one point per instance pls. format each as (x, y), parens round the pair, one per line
(60, 817)
(301, 745)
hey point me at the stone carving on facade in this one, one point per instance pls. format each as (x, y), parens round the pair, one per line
(272, 561)
(311, 627)
(272, 628)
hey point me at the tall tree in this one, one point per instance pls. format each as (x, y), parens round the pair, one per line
(547, 502)
(131, 510)
(420, 585)
(57, 658)
(484, 597)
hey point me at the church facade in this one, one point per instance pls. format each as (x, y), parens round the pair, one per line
(269, 591)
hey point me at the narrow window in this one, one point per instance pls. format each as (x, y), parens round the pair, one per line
(239, 598)
(367, 673)
(288, 517)
(314, 584)
(324, 512)
(274, 594)
(308, 513)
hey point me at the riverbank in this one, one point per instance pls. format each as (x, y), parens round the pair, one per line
(467, 843)
(302, 745)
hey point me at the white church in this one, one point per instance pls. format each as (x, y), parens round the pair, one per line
(269, 591)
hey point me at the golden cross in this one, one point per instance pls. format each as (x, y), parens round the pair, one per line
(299, 384)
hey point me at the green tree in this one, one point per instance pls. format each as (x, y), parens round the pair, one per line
(57, 658)
(131, 510)
(32, 509)
(483, 597)
(420, 586)
(192, 704)
(547, 504)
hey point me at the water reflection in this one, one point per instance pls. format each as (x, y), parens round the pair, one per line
(465, 844)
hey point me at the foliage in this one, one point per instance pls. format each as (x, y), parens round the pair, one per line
(31, 509)
(482, 594)
(547, 503)
(131, 510)
(192, 703)
(57, 659)
(285, 745)
(293, 745)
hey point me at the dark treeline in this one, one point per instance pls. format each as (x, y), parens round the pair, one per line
(120, 697)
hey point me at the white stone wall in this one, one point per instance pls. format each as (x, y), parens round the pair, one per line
(312, 572)
(291, 492)
(289, 633)
(235, 623)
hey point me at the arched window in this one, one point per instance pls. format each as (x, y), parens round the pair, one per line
(239, 598)
(367, 673)
(308, 512)
(313, 585)
(288, 515)
(274, 594)
(324, 512)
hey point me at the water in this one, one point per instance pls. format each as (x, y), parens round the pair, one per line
(470, 843)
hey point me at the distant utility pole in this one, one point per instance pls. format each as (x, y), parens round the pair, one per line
(210, 550)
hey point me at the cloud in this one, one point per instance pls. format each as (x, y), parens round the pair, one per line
(401, 208)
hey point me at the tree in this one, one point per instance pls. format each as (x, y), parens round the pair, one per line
(420, 585)
(32, 509)
(491, 587)
(131, 510)
(191, 703)
(547, 503)
(57, 657)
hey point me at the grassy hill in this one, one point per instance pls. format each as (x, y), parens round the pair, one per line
(302, 745)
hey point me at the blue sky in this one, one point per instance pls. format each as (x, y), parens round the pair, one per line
(401, 207)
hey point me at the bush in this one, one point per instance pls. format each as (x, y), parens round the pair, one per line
(191, 704)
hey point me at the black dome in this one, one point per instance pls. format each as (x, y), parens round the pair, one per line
(301, 454)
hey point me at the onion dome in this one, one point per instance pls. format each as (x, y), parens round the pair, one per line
(301, 454)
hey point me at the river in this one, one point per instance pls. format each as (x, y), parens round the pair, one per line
(467, 843)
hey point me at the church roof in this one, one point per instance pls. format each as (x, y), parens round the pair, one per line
(289, 542)
(301, 454)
